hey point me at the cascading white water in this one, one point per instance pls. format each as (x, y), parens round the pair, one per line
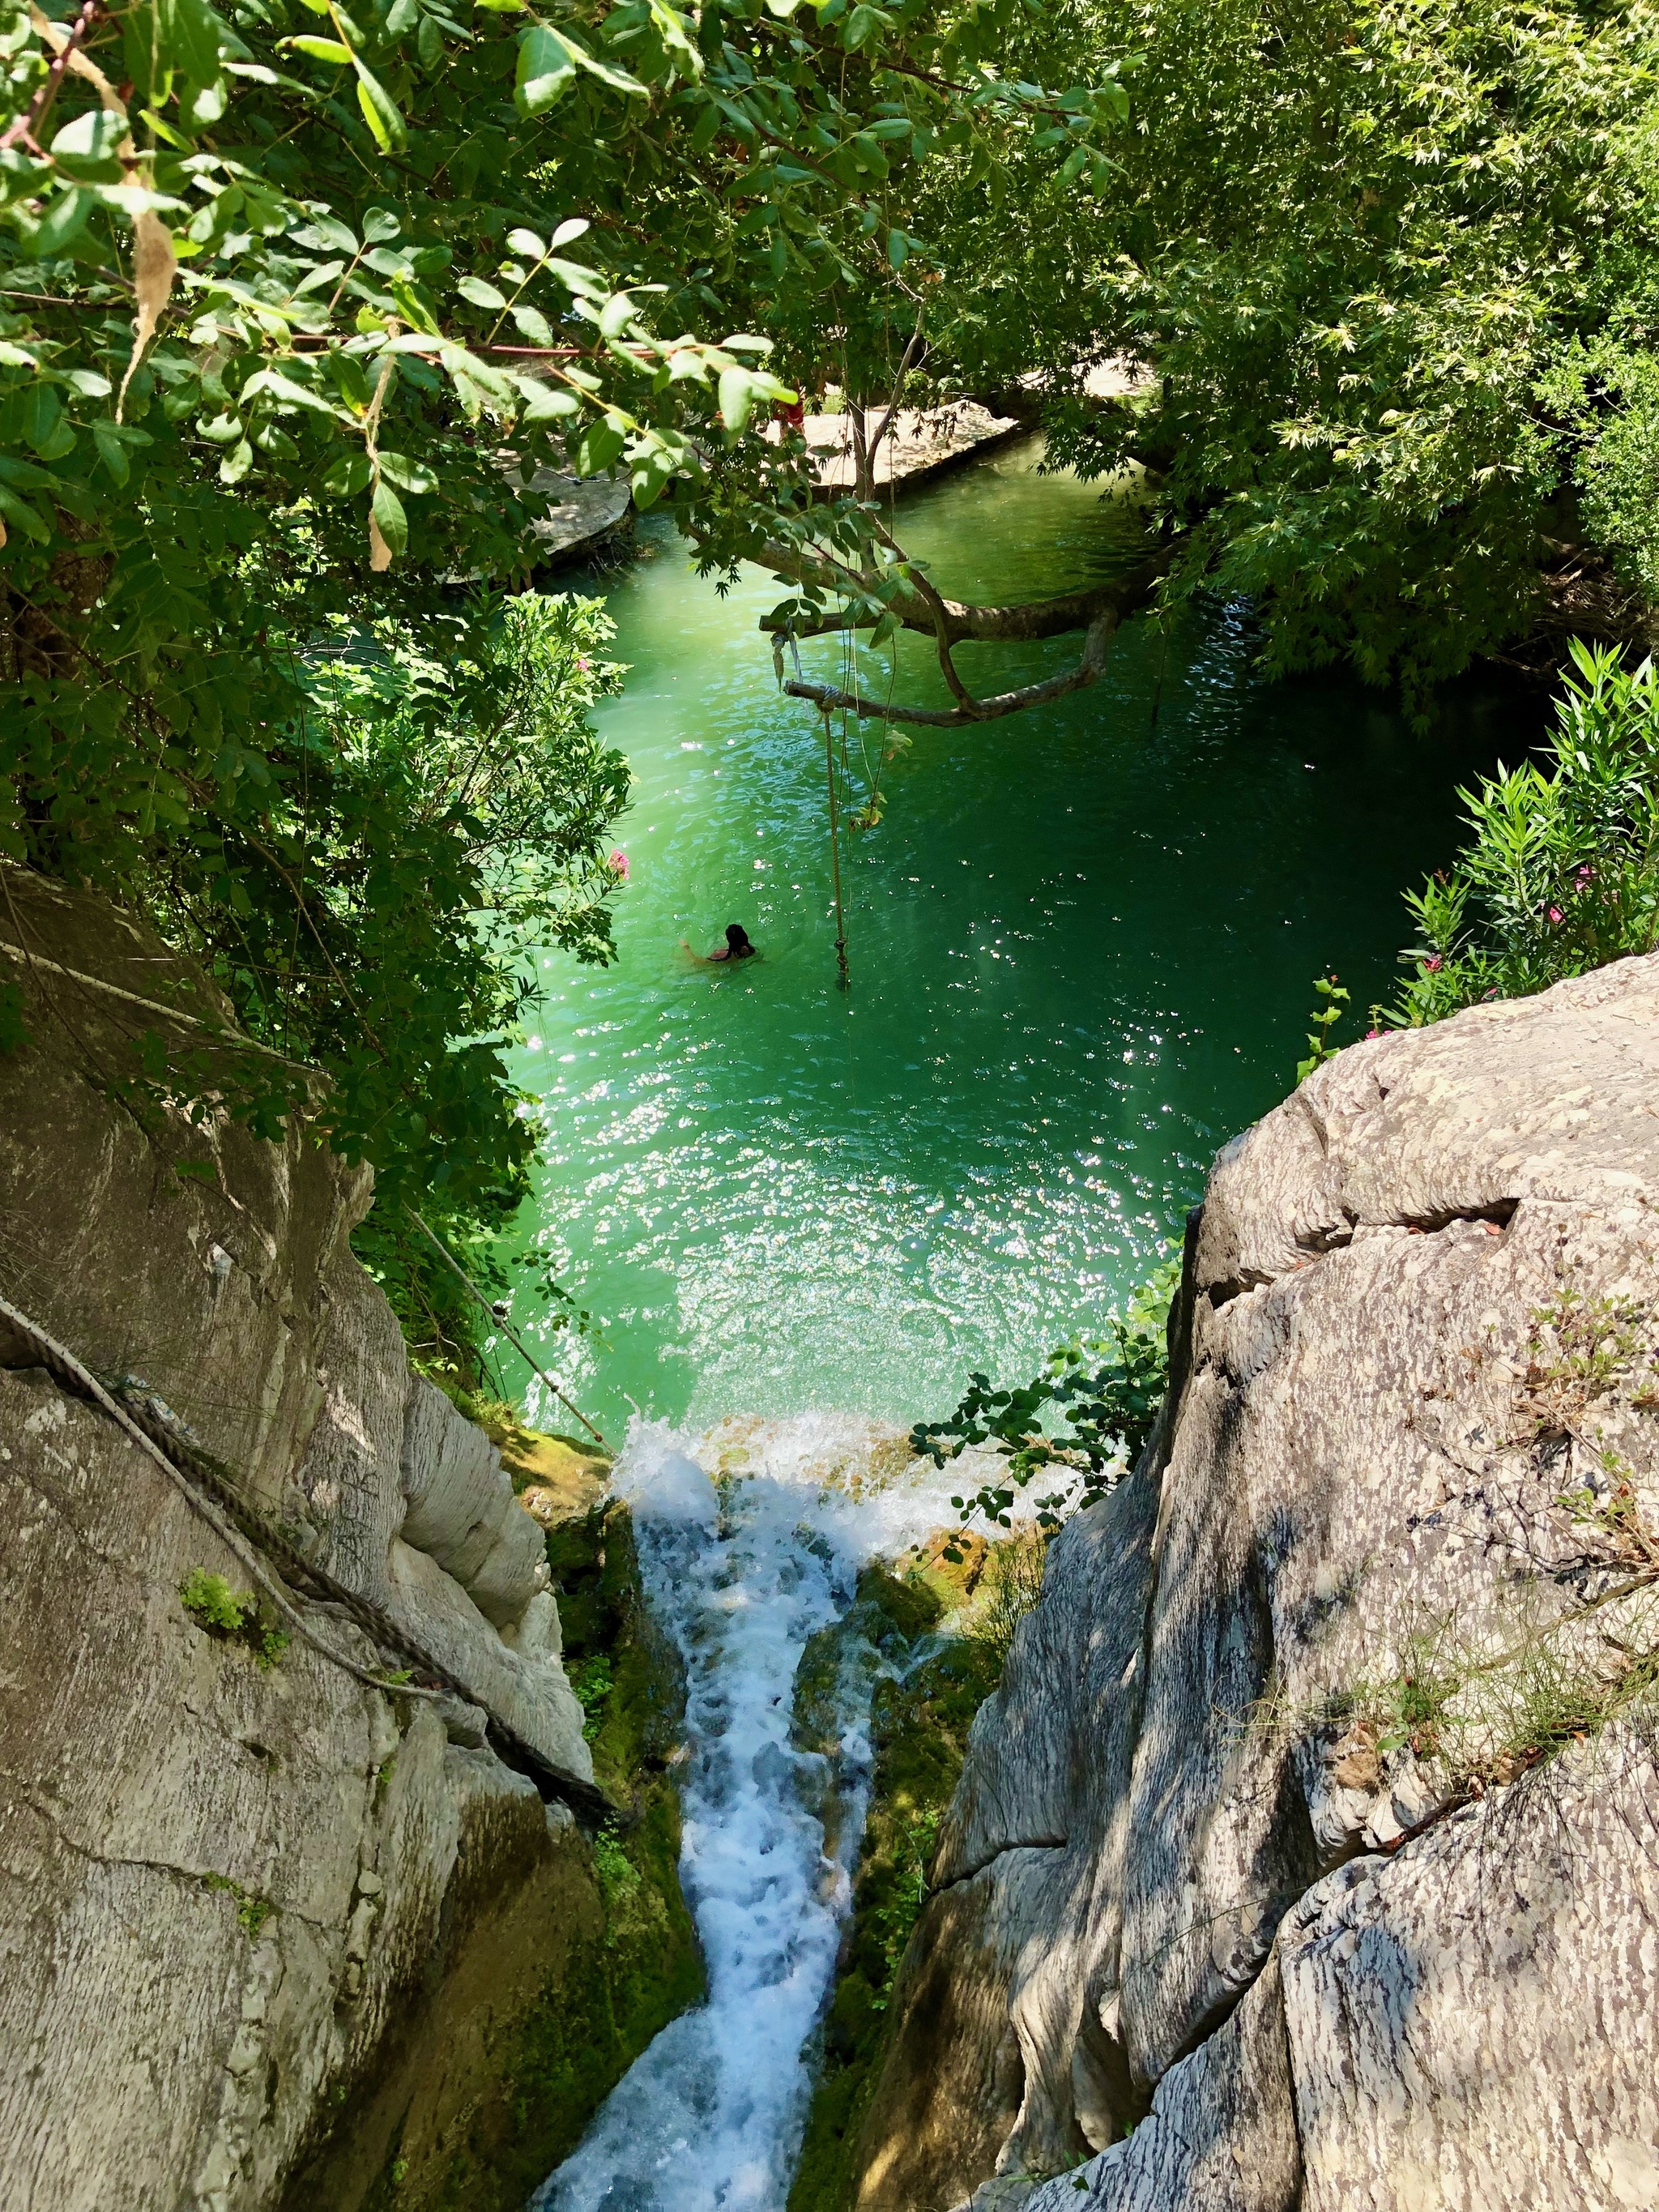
(708, 2118)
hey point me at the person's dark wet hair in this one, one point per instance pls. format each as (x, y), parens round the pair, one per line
(738, 947)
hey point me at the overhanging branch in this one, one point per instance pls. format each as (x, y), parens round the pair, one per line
(1098, 611)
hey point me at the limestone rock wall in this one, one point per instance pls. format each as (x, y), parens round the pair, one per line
(1411, 1468)
(234, 1898)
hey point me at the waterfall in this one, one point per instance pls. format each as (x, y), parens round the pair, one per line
(741, 1570)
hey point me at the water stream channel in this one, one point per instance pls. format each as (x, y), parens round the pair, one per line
(1082, 948)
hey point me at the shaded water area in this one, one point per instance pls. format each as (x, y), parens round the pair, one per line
(1082, 943)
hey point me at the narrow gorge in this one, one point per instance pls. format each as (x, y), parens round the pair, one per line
(1300, 1857)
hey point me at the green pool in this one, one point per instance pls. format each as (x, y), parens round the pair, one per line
(1082, 945)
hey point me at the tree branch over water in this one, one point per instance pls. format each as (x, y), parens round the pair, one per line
(903, 594)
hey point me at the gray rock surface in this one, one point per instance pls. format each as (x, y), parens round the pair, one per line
(230, 1893)
(1351, 1968)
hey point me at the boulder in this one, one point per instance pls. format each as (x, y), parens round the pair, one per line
(1325, 1887)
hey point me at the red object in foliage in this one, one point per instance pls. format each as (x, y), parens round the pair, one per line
(794, 415)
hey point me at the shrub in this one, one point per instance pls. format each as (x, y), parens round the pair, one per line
(1563, 873)
(1106, 1392)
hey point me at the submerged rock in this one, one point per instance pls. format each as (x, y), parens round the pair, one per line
(1311, 1835)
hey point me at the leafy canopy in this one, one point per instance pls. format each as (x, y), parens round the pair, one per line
(1393, 268)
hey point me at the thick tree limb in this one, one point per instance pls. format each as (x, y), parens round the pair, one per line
(1097, 611)
(968, 711)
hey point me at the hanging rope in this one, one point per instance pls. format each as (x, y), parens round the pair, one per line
(504, 1325)
(281, 1572)
(843, 980)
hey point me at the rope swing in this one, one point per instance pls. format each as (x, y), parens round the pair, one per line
(844, 982)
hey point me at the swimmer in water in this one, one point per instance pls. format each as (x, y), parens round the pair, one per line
(735, 947)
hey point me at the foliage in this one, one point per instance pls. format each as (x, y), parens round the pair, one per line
(1110, 1389)
(1412, 413)
(252, 1911)
(300, 307)
(1008, 1589)
(592, 1682)
(1481, 1717)
(1324, 1019)
(913, 1840)
(1562, 873)
(232, 1615)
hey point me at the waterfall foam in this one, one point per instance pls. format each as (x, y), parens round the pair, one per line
(742, 1566)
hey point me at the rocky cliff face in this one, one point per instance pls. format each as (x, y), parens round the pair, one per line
(268, 1935)
(1314, 1832)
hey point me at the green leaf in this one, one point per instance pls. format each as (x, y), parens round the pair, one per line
(618, 80)
(236, 463)
(111, 451)
(388, 511)
(92, 136)
(348, 476)
(41, 410)
(287, 392)
(481, 293)
(64, 221)
(328, 235)
(430, 43)
(380, 113)
(526, 242)
(646, 478)
(20, 511)
(571, 227)
(546, 70)
(598, 446)
(545, 402)
(402, 17)
(617, 314)
(736, 393)
(533, 326)
(322, 49)
(181, 36)
(413, 477)
(414, 305)
(670, 26)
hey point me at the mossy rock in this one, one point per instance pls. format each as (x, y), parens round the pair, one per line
(918, 1728)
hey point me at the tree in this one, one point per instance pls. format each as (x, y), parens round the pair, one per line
(300, 303)
(1389, 275)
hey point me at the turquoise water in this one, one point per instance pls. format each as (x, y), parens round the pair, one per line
(1082, 944)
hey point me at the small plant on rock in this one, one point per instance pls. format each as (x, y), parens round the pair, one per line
(232, 1616)
(1562, 873)
(1324, 1019)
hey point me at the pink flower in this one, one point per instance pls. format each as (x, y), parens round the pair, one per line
(583, 662)
(619, 865)
(1556, 914)
(1433, 964)
(1369, 1034)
